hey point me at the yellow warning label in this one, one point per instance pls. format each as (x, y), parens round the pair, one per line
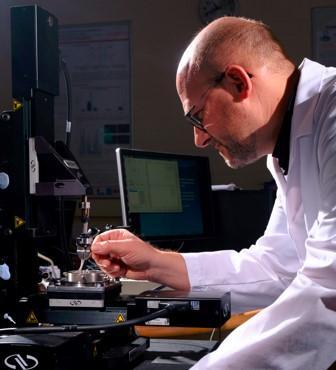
(31, 318)
(120, 318)
(17, 105)
(18, 222)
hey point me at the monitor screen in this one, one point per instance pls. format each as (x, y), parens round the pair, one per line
(165, 196)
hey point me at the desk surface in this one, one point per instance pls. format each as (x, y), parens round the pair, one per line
(181, 354)
(175, 354)
(175, 332)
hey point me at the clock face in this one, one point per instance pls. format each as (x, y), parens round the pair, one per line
(211, 9)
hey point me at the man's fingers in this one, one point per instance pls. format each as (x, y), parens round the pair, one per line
(104, 263)
(112, 235)
(110, 247)
(112, 268)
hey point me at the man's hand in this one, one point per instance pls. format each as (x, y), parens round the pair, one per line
(120, 253)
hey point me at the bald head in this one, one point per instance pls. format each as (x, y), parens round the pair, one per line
(234, 81)
(233, 40)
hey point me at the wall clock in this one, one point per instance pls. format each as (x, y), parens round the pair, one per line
(209, 10)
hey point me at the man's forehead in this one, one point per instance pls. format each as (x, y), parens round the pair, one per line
(188, 57)
(189, 72)
(191, 77)
(191, 92)
(191, 87)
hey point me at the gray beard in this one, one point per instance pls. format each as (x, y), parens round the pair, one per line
(242, 154)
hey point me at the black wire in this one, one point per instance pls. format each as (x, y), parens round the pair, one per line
(67, 79)
(88, 328)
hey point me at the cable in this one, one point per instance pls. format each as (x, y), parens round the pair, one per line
(212, 334)
(9, 318)
(69, 101)
(50, 261)
(169, 307)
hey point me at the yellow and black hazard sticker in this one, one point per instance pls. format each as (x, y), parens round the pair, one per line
(120, 318)
(31, 318)
(18, 222)
(17, 105)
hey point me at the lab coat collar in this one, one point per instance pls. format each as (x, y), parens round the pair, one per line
(302, 120)
(308, 92)
(306, 98)
(278, 176)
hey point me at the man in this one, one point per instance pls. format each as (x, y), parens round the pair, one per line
(246, 98)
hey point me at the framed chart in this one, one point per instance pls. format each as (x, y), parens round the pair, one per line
(98, 60)
(324, 35)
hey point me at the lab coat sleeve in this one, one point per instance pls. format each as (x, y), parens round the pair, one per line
(298, 331)
(255, 276)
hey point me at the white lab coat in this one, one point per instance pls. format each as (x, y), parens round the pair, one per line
(293, 264)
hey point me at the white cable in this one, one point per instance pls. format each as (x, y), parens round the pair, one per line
(51, 262)
(7, 317)
(81, 266)
(212, 334)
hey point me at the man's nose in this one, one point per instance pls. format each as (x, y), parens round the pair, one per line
(201, 138)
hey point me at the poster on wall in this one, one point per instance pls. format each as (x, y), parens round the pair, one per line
(97, 57)
(324, 35)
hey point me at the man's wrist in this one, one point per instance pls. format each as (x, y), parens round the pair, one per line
(169, 268)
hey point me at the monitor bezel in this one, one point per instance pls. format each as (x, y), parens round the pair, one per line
(128, 218)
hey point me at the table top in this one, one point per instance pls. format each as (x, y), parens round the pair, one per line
(175, 354)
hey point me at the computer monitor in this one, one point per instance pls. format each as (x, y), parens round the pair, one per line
(165, 196)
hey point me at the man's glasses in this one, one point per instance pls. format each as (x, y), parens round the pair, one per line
(192, 119)
(197, 122)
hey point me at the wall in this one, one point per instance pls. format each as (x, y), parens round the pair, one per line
(160, 32)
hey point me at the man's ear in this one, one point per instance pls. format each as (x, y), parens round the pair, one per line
(239, 80)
